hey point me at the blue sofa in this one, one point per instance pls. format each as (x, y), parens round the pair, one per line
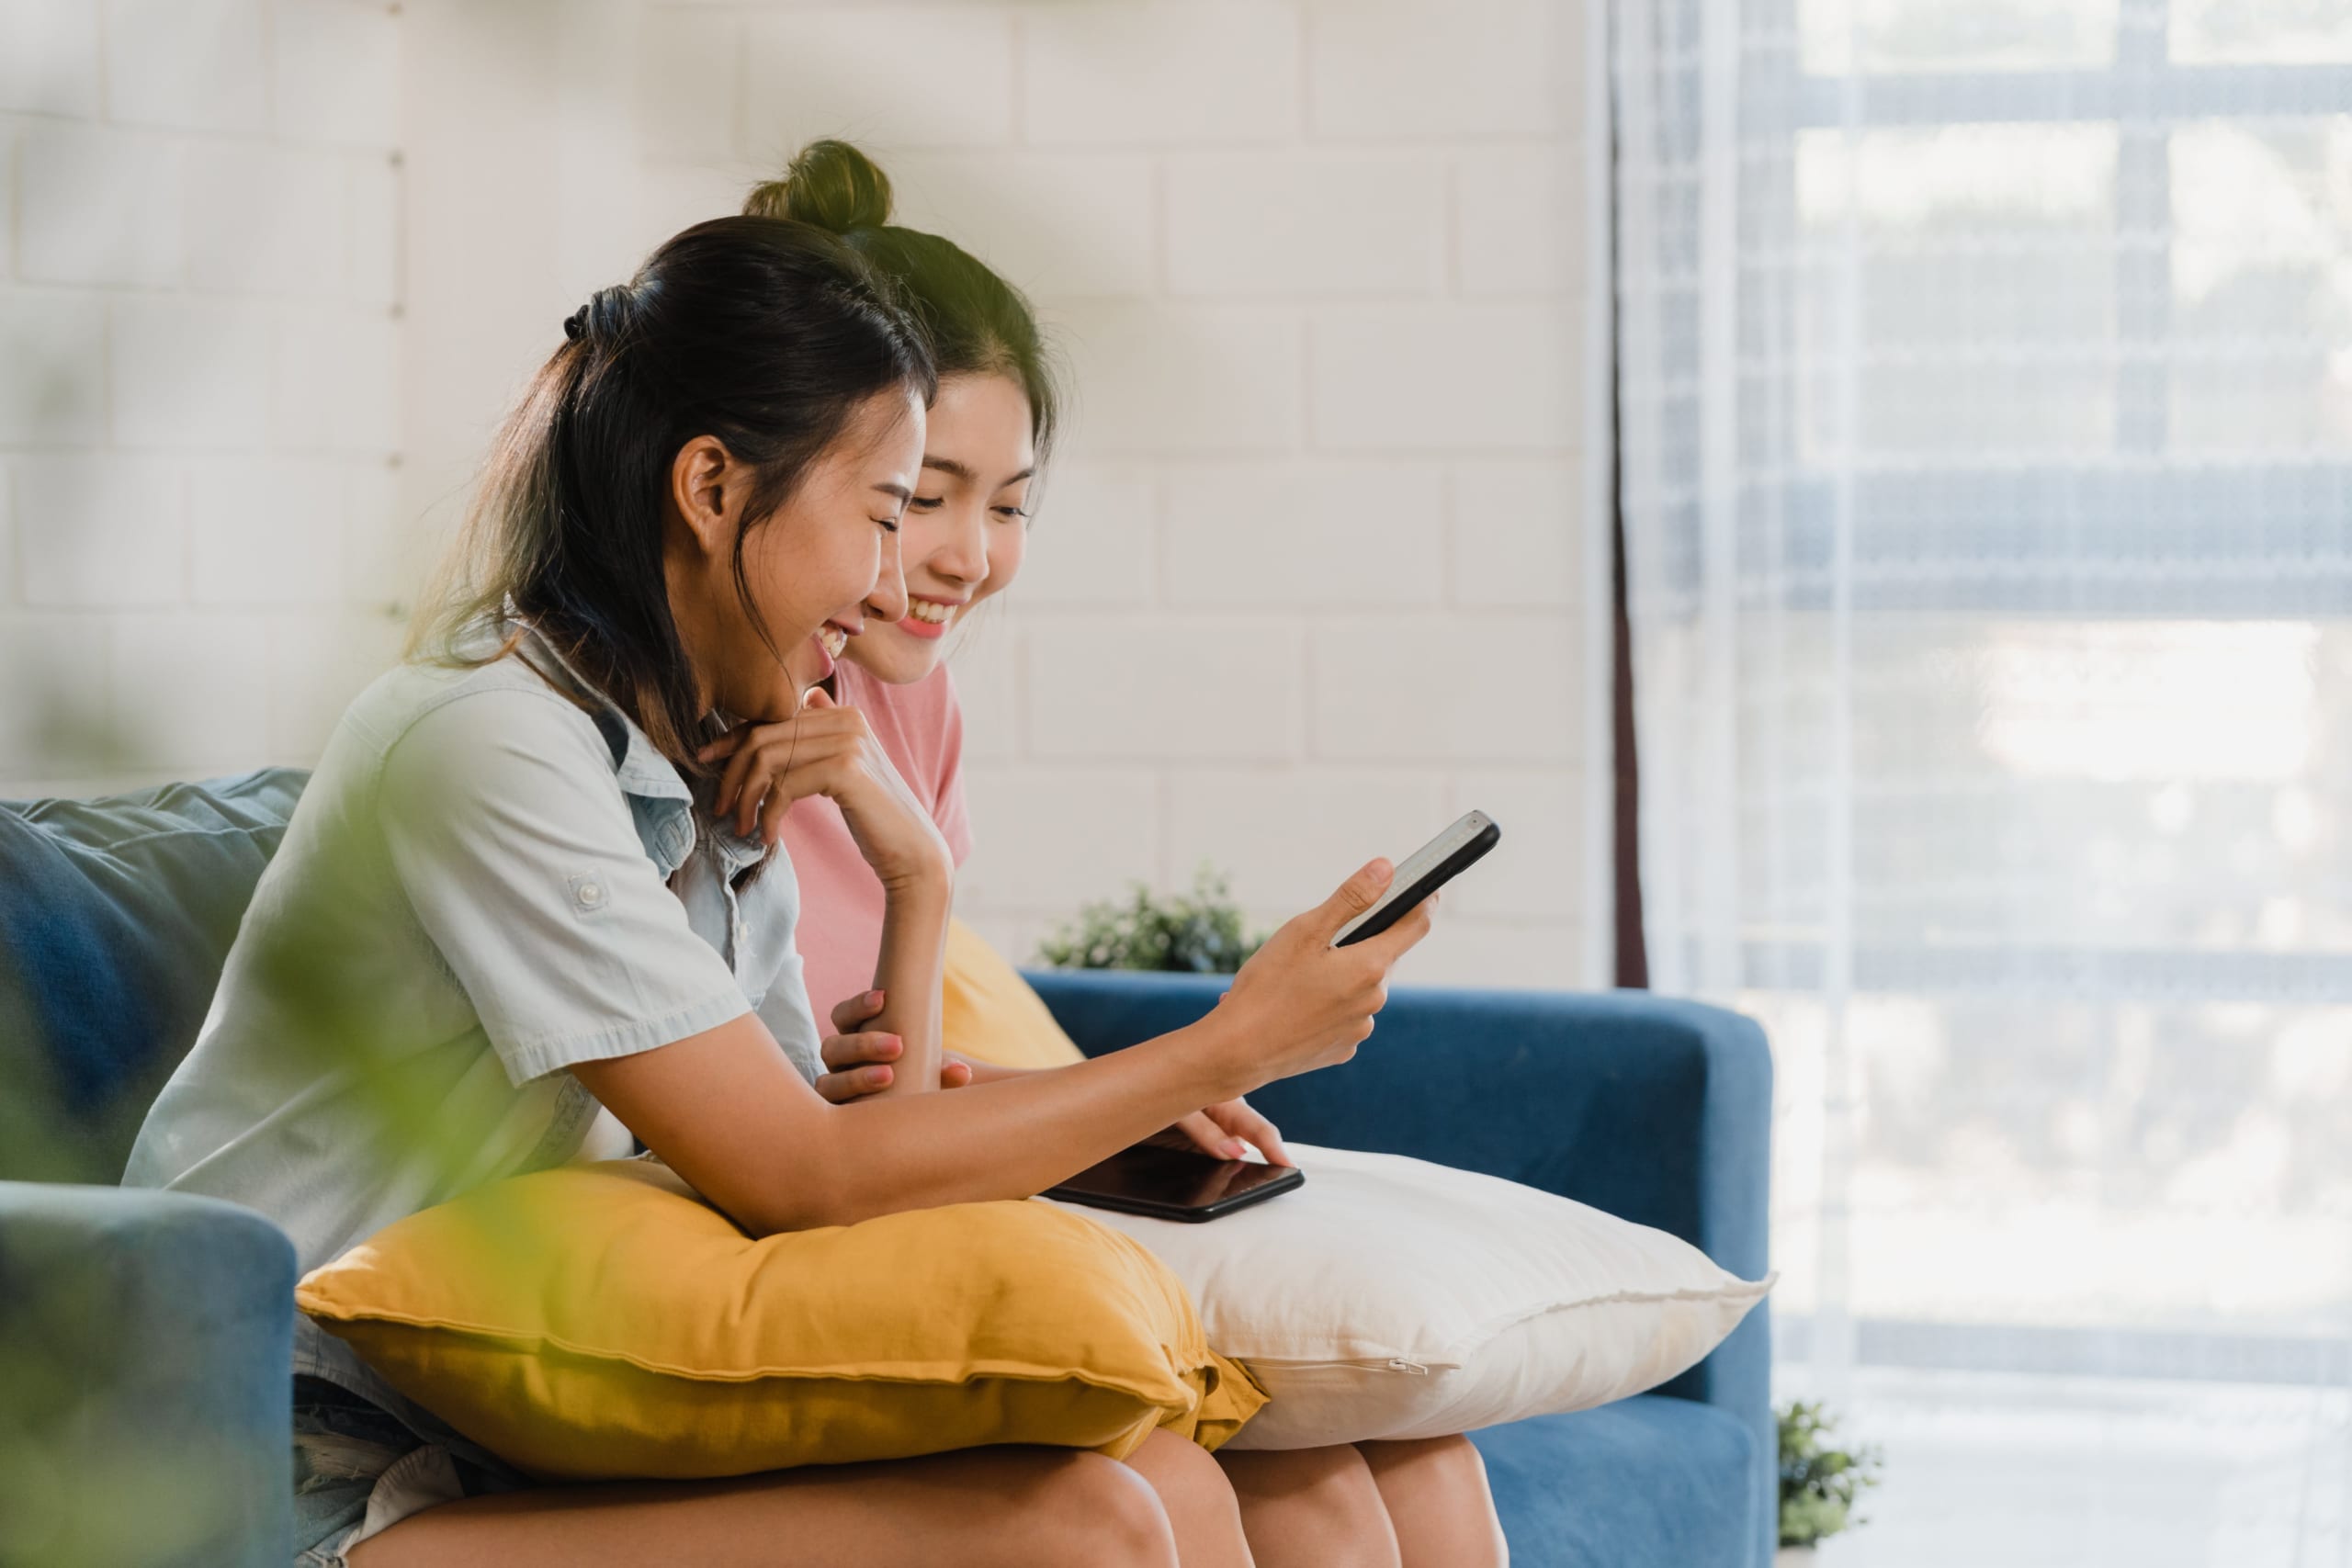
(144, 1336)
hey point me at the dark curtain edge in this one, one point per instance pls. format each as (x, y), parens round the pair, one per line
(1631, 962)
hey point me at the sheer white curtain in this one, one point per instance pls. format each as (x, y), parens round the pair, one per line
(1986, 406)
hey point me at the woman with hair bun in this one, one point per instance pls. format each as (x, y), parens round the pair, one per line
(513, 920)
(1421, 1504)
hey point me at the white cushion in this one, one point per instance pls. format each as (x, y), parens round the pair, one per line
(1392, 1298)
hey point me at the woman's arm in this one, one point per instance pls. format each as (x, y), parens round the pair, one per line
(906, 972)
(831, 750)
(861, 1064)
(726, 1110)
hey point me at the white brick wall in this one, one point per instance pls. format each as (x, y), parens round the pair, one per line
(1306, 575)
(200, 268)
(1163, 72)
(1304, 582)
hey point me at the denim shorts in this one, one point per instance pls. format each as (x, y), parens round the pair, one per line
(359, 1469)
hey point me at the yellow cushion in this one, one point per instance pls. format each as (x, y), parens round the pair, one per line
(602, 1321)
(990, 1013)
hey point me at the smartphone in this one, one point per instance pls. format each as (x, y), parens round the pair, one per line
(1169, 1184)
(1425, 871)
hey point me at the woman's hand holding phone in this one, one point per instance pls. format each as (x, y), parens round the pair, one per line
(1297, 1005)
(1300, 1003)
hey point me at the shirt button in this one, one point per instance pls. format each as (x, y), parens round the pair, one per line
(591, 894)
(742, 932)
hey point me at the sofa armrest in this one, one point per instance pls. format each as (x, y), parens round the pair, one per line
(1654, 1110)
(146, 1345)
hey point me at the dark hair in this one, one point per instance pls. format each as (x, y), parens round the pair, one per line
(976, 321)
(765, 333)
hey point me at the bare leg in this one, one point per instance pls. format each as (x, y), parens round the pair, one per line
(1199, 1501)
(1311, 1508)
(1002, 1508)
(1438, 1500)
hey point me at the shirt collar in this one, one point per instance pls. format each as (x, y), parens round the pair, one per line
(640, 768)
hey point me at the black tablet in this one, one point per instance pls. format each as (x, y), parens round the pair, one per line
(1175, 1184)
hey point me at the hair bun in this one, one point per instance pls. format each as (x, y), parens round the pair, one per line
(832, 186)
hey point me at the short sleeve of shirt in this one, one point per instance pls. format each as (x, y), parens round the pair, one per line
(508, 832)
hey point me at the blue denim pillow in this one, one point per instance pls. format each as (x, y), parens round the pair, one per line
(116, 914)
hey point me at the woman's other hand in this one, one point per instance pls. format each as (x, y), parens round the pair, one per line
(859, 1062)
(1228, 1130)
(830, 751)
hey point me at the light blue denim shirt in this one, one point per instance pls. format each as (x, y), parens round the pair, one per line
(485, 882)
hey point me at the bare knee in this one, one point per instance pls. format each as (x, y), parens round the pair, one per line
(1440, 1502)
(1452, 1462)
(1324, 1496)
(1095, 1511)
(1194, 1490)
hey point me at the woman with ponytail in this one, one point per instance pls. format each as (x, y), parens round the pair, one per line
(515, 920)
(1423, 1504)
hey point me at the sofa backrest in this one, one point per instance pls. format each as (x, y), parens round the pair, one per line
(116, 914)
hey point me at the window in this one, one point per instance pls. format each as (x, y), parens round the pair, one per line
(1985, 439)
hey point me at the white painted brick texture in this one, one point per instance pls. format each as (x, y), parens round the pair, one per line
(1305, 535)
(101, 531)
(49, 57)
(1098, 550)
(57, 693)
(188, 64)
(1162, 690)
(1304, 578)
(1308, 225)
(190, 690)
(1066, 225)
(1429, 70)
(96, 205)
(337, 76)
(1287, 836)
(896, 76)
(199, 276)
(1513, 540)
(1474, 377)
(1182, 380)
(54, 346)
(1106, 834)
(1467, 686)
(1174, 72)
(191, 374)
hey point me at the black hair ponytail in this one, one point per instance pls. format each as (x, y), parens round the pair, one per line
(766, 333)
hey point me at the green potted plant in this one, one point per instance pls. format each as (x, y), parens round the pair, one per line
(1819, 1483)
(1202, 934)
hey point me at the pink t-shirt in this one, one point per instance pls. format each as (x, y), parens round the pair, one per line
(922, 730)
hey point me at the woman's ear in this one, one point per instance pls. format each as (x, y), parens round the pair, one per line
(702, 478)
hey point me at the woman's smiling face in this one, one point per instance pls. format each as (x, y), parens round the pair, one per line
(818, 572)
(966, 529)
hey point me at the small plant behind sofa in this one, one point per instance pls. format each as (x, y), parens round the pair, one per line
(1819, 1485)
(1202, 934)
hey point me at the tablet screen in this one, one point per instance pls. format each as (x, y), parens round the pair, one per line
(1152, 1177)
